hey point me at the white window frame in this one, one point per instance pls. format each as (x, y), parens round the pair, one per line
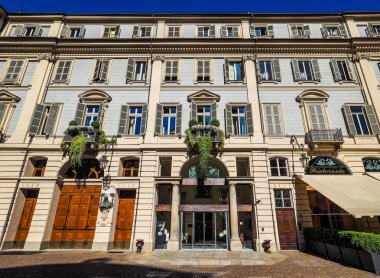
(4, 123)
(174, 26)
(170, 116)
(135, 72)
(145, 26)
(376, 34)
(260, 26)
(239, 115)
(242, 73)
(263, 80)
(87, 104)
(281, 119)
(233, 26)
(94, 67)
(116, 36)
(364, 112)
(311, 70)
(21, 73)
(278, 168)
(75, 27)
(203, 114)
(202, 26)
(134, 115)
(282, 198)
(178, 81)
(196, 71)
(323, 104)
(298, 31)
(336, 26)
(66, 81)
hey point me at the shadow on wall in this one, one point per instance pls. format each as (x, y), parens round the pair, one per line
(100, 267)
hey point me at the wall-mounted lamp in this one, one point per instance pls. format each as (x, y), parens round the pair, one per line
(303, 158)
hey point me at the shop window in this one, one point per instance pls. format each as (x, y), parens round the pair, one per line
(279, 167)
(242, 167)
(165, 166)
(283, 199)
(131, 168)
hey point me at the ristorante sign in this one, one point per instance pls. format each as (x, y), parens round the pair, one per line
(326, 166)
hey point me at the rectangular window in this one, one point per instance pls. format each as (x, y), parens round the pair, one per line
(376, 29)
(101, 71)
(204, 114)
(266, 70)
(134, 120)
(203, 71)
(39, 168)
(140, 71)
(279, 167)
(63, 70)
(317, 117)
(131, 168)
(91, 114)
(360, 120)
(306, 70)
(75, 32)
(235, 71)
(14, 70)
(242, 167)
(169, 119)
(204, 31)
(332, 31)
(165, 166)
(344, 71)
(238, 121)
(30, 31)
(144, 31)
(283, 198)
(232, 31)
(171, 71)
(111, 31)
(273, 119)
(261, 31)
(174, 31)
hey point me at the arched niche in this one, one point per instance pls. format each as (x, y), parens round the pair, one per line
(90, 169)
(216, 169)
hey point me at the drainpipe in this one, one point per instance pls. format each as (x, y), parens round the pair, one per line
(31, 136)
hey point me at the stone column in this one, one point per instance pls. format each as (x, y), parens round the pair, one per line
(173, 243)
(235, 243)
(154, 98)
(253, 98)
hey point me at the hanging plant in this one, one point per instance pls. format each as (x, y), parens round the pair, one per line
(77, 149)
(205, 147)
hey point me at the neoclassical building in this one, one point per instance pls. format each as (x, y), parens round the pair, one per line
(297, 97)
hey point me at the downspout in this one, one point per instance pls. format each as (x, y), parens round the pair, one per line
(31, 136)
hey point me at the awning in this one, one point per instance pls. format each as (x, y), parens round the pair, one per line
(375, 175)
(359, 195)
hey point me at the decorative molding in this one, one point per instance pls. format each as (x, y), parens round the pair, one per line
(47, 57)
(8, 97)
(249, 58)
(158, 58)
(203, 95)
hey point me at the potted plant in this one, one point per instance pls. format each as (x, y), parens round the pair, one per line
(331, 239)
(314, 241)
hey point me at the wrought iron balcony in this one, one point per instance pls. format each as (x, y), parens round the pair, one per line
(87, 131)
(326, 136)
(3, 136)
(206, 130)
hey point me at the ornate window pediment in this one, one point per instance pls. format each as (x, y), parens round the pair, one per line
(203, 96)
(6, 96)
(95, 96)
(312, 95)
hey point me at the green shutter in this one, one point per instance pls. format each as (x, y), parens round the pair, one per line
(226, 68)
(335, 70)
(193, 111)
(143, 119)
(316, 71)
(351, 70)
(52, 118)
(228, 120)
(179, 120)
(135, 32)
(82, 31)
(3, 109)
(306, 31)
(296, 70)
(212, 31)
(276, 70)
(223, 31)
(249, 119)
(324, 31)
(98, 66)
(270, 31)
(37, 117)
(213, 110)
(65, 32)
(351, 130)
(123, 120)
(80, 113)
(104, 70)
(342, 30)
(372, 119)
(158, 119)
(18, 31)
(130, 68)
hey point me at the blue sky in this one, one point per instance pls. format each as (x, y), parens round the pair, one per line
(189, 6)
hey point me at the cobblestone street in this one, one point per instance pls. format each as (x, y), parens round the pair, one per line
(178, 264)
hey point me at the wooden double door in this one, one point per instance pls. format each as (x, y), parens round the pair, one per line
(124, 221)
(75, 219)
(287, 232)
(26, 218)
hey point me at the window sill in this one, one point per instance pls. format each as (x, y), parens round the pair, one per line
(308, 81)
(269, 81)
(262, 37)
(168, 136)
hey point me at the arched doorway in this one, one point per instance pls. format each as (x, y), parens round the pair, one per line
(77, 210)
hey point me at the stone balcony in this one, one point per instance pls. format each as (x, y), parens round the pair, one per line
(206, 130)
(326, 138)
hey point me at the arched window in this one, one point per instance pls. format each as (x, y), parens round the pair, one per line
(130, 167)
(371, 164)
(90, 169)
(278, 167)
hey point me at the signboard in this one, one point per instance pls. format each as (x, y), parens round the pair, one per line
(206, 208)
(160, 233)
(206, 181)
(371, 164)
(326, 166)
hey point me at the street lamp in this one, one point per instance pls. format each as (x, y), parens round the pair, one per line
(304, 159)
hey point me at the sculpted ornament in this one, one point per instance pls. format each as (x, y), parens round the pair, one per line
(158, 58)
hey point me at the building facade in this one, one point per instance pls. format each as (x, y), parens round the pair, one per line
(296, 96)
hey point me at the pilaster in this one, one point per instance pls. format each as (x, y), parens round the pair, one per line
(173, 243)
(235, 243)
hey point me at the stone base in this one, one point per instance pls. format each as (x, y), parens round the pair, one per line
(173, 245)
(235, 245)
(102, 246)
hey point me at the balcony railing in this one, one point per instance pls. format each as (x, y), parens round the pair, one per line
(87, 131)
(206, 130)
(333, 136)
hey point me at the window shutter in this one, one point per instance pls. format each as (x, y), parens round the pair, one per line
(65, 32)
(277, 120)
(38, 31)
(350, 70)
(176, 31)
(249, 119)
(82, 31)
(200, 31)
(258, 70)
(3, 108)
(370, 30)
(117, 31)
(372, 119)
(324, 31)
(294, 31)
(212, 31)
(270, 31)
(252, 30)
(223, 31)
(193, 111)
(98, 66)
(269, 120)
(148, 31)
(123, 120)
(100, 113)
(335, 70)
(158, 119)
(226, 71)
(106, 33)
(207, 70)
(179, 120)
(316, 71)
(175, 70)
(228, 119)
(143, 119)
(342, 30)
(104, 70)
(37, 117)
(276, 70)
(306, 31)
(349, 120)
(316, 117)
(130, 67)
(296, 70)
(18, 31)
(213, 110)
(135, 33)
(80, 113)
(52, 118)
